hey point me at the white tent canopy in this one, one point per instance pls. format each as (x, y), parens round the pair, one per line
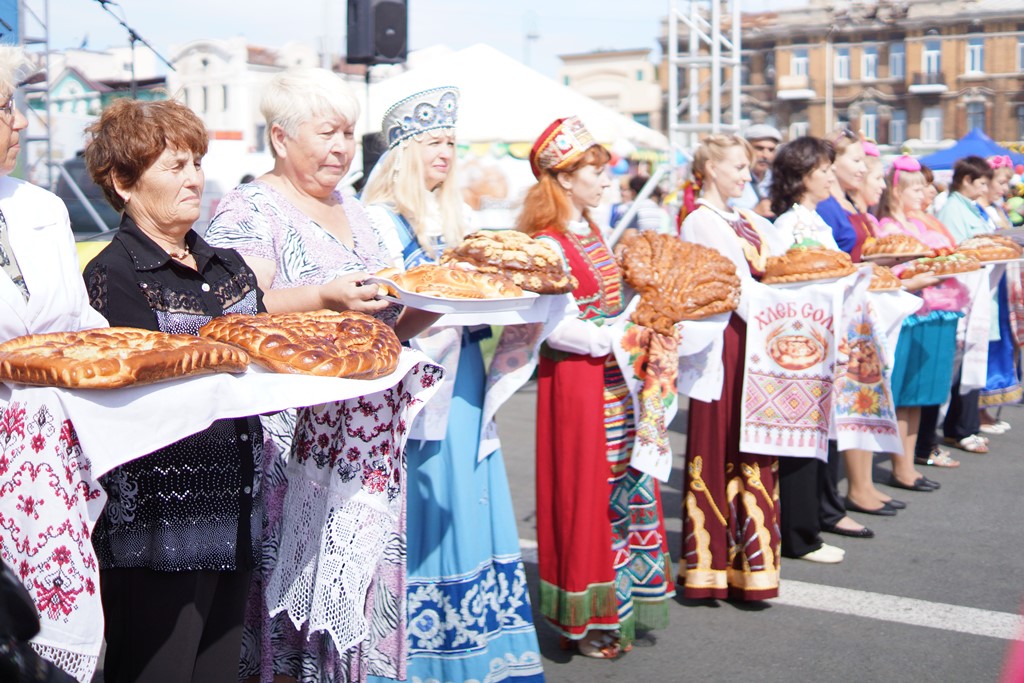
(502, 100)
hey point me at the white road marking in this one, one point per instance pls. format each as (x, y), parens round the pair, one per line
(901, 610)
(894, 608)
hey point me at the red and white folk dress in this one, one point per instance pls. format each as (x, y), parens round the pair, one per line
(604, 563)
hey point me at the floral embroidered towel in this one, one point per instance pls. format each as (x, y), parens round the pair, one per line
(865, 415)
(650, 363)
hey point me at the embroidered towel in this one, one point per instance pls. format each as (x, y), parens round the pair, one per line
(865, 414)
(649, 362)
(790, 367)
(514, 361)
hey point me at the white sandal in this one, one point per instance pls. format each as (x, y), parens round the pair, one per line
(971, 444)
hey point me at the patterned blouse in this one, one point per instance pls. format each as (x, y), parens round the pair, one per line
(257, 220)
(189, 506)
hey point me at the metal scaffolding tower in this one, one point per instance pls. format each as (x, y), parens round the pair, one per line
(34, 28)
(710, 63)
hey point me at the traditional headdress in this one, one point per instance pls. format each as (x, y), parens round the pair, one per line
(432, 109)
(561, 143)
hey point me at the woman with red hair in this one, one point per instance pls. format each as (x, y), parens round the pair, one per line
(604, 564)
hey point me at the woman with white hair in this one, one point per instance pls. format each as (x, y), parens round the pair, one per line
(468, 612)
(310, 248)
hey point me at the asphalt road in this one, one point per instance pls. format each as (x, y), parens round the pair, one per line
(959, 547)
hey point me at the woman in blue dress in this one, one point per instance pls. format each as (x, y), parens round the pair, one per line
(468, 612)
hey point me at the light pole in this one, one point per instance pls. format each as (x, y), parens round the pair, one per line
(530, 33)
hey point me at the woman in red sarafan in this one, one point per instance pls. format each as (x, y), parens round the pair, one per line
(604, 565)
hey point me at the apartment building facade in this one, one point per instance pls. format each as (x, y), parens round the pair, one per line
(909, 73)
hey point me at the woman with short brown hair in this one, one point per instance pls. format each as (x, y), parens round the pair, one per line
(178, 538)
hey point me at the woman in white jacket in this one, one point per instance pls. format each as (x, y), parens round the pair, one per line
(49, 498)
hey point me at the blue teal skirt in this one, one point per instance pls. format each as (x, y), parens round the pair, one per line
(468, 613)
(923, 370)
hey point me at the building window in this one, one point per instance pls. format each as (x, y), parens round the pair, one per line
(184, 92)
(897, 60)
(206, 99)
(1020, 121)
(798, 65)
(931, 124)
(261, 137)
(869, 64)
(869, 122)
(976, 56)
(931, 59)
(898, 127)
(643, 118)
(799, 129)
(1020, 54)
(976, 116)
(843, 64)
(565, 81)
(224, 96)
(639, 75)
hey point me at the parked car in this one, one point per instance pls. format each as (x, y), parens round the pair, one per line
(82, 222)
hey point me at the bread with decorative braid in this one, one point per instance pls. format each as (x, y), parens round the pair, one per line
(113, 357)
(677, 281)
(324, 343)
(530, 263)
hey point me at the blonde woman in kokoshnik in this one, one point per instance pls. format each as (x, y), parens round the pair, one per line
(714, 562)
(468, 611)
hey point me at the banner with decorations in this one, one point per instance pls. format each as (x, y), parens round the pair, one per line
(790, 368)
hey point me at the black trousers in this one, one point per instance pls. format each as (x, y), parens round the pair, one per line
(962, 418)
(799, 524)
(172, 627)
(831, 508)
(927, 437)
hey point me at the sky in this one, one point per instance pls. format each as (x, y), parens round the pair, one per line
(560, 26)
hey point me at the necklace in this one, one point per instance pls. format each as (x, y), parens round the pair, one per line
(179, 255)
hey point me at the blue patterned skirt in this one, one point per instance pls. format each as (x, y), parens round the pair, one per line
(469, 616)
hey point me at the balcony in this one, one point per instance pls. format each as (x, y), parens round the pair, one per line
(794, 88)
(928, 83)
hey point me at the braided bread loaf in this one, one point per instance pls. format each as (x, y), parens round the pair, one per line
(113, 357)
(324, 343)
(677, 281)
(531, 264)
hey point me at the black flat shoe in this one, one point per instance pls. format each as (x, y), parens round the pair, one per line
(920, 484)
(896, 504)
(934, 484)
(884, 511)
(860, 533)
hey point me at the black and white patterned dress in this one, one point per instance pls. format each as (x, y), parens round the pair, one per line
(258, 221)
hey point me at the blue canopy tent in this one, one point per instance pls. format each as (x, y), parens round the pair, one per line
(976, 143)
